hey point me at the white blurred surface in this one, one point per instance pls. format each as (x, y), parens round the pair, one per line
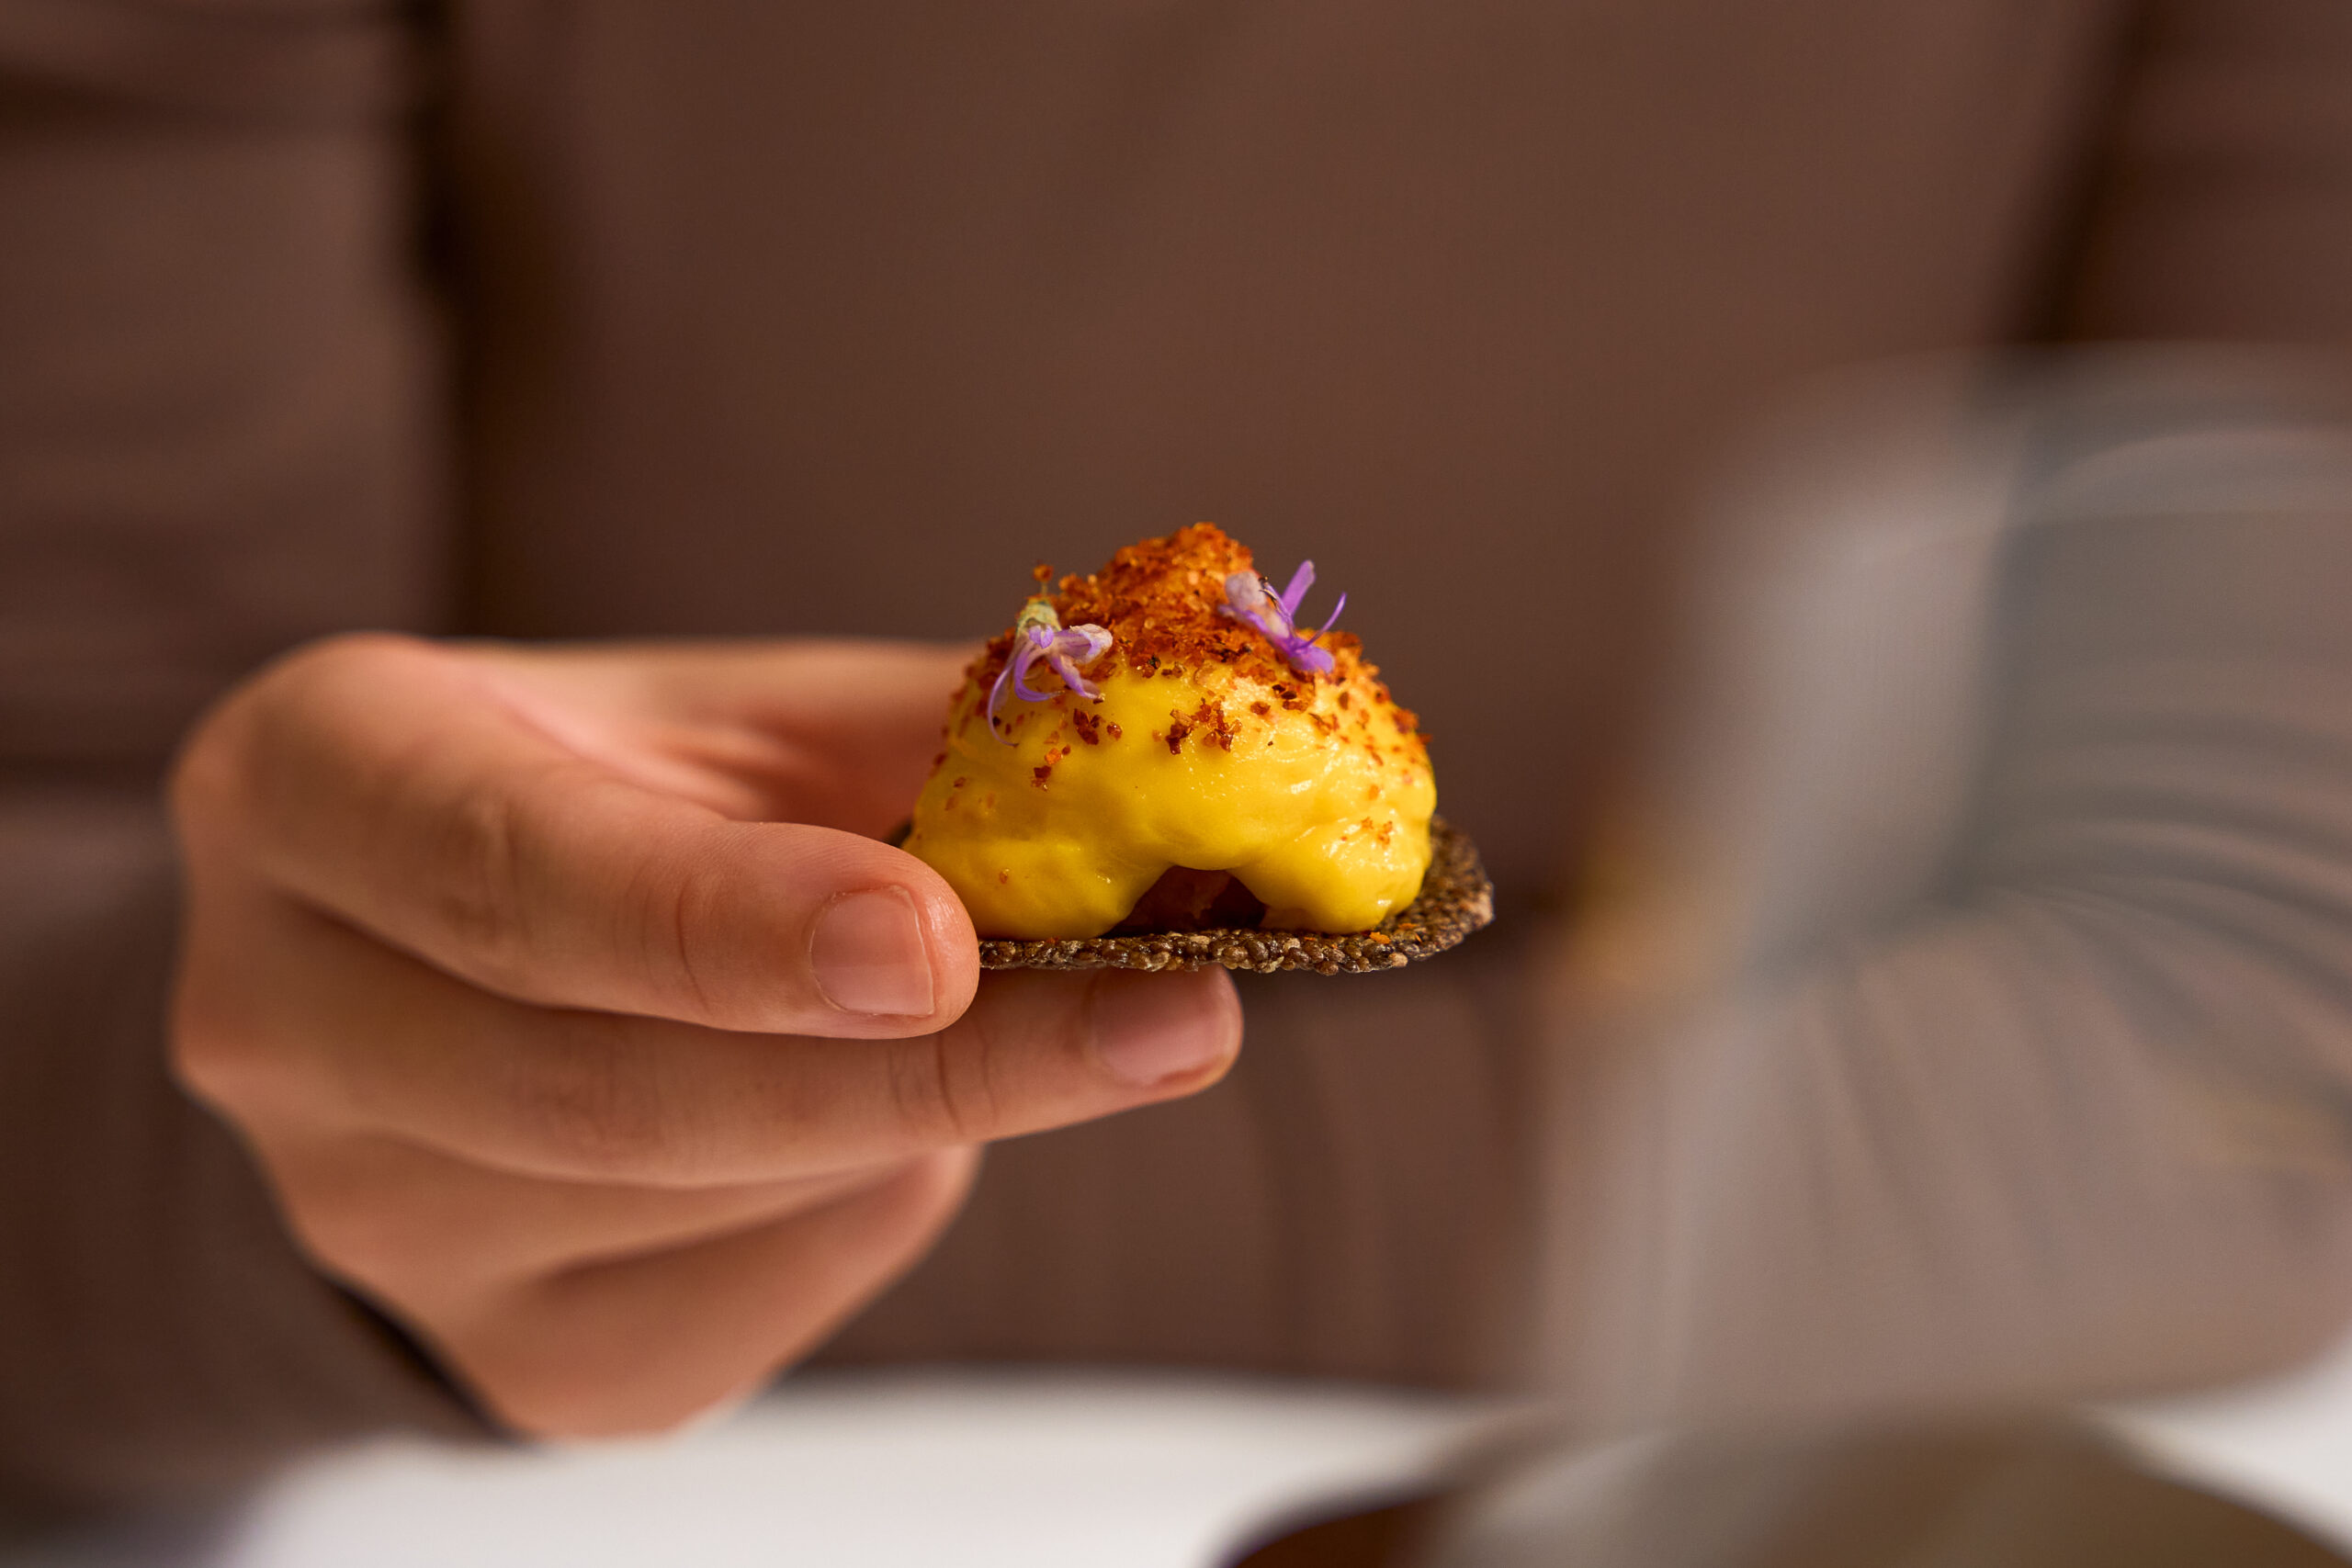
(2284, 1445)
(876, 1471)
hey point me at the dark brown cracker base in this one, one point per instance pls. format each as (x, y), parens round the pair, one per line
(1455, 899)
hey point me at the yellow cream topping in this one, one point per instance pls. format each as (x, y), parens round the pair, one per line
(1311, 792)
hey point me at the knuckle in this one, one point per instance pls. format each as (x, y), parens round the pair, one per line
(224, 770)
(208, 1067)
(671, 911)
(213, 1053)
(475, 887)
(551, 1366)
(362, 659)
(324, 674)
(546, 1397)
(503, 889)
(209, 779)
(359, 1232)
(528, 1395)
(943, 1088)
(592, 1114)
(203, 785)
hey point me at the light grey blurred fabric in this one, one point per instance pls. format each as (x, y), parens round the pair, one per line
(1979, 1010)
(1969, 1029)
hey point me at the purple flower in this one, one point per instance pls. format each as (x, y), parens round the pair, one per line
(1038, 634)
(1251, 600)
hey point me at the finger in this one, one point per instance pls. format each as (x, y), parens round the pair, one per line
(644, 1344)
(392, 783)
(835, 733)
(428, 1232)
(328, 1028)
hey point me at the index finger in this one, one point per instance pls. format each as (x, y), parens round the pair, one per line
(357, 1038)
(389, 783)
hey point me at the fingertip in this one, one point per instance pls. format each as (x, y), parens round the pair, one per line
(1170, 1034)
(886, 949)
(870, 955)
(952, 945)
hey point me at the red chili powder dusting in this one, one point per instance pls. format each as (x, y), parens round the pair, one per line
(1158, 600)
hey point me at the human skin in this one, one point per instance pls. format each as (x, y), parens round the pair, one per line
(580, 1021)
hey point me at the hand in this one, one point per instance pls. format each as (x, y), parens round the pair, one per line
(580, 1021)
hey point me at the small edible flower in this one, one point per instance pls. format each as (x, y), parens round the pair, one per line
(1038, 633)
(1250, 599)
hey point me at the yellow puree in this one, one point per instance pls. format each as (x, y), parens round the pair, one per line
(1327, 824)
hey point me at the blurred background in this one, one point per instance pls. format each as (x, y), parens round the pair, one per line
(1858, 495)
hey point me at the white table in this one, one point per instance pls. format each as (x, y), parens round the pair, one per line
(923, 1470)
(1039, 1469)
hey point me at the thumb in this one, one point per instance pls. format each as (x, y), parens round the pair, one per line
(377, 783)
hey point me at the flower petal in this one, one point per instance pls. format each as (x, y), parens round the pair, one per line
(996, 699)
(1029, 656)
(1333, 618)
(1070, 677)
(1251, 600)
(1300, 581)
